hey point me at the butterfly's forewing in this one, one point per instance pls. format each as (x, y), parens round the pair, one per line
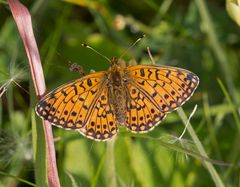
(142, 114)
(74, 106)
(166, 87)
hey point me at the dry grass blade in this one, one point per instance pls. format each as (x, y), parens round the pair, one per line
(23, 20)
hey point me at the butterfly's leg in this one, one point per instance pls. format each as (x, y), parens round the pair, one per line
(76, 68)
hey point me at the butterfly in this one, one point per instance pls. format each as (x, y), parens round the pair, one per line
(138, 97)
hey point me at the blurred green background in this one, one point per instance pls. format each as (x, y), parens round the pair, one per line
(196, 35)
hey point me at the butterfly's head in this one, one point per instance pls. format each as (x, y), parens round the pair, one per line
(115, 65)
(114, 61)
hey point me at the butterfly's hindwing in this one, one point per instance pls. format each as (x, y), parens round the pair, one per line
(101, 124)
(142, 113)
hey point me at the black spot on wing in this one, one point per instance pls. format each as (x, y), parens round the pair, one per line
(89, 82)
(142, 73)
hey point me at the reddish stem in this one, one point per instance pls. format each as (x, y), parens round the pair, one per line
(22, 18)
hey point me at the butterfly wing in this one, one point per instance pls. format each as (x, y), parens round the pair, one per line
(101, 124)
(142, 114)
(166, 87)
(77, 104)
(154, 91)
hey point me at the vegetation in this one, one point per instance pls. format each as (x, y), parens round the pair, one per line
(196, 35)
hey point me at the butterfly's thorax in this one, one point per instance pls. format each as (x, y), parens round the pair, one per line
(117, 93)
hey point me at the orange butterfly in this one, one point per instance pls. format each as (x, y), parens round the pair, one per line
(138, 97)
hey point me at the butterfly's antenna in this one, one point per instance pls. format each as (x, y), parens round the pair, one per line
(138, 40)
(94, 50)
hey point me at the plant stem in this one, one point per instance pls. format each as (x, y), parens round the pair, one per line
(22, 18)
(216, 47)
(217, 180)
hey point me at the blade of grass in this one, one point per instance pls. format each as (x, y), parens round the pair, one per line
(23, 21)
(177, 148)
(216, 47)
(233, 108)
(197, 142)
(161, 10)
(95, 178)
(234, 154)
(49, 48)
(110, 163)
(18, 179)
(39, 152)
(210, 125)
(73, 181)
(216, 178)
(139, 162)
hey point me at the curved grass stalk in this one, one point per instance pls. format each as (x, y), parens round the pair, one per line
(216, 178)
(216, 47)
(18, 179)
(22, 18)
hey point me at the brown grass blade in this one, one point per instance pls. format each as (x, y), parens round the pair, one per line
(22, 18)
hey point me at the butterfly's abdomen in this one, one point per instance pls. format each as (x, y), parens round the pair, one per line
(119, 104)
(118, 97)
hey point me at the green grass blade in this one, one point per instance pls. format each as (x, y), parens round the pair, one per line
(215, 176)
(234, 154)
(179, 148)
(216, 46)
(96, 176)
(233, 107)
(39, 151)
(18, 179)
(110, 164)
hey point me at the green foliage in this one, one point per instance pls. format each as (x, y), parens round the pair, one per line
(195, 35)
